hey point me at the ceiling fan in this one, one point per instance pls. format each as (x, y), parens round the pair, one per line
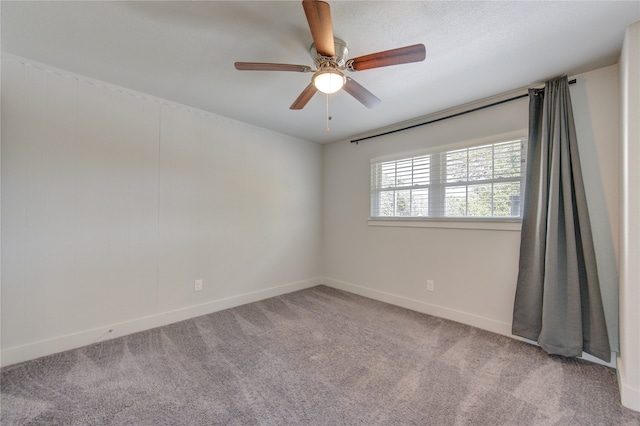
(330, 59)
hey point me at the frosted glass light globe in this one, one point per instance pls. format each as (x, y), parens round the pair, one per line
(328, 81)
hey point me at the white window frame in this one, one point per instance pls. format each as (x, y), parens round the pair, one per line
(440, 221)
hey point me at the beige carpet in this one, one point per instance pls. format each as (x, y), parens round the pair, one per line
(315, 357)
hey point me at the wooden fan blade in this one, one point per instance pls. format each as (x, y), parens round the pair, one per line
(265, 66)
(304, 97)
(365, 97)
(319, 18)
(402, 55)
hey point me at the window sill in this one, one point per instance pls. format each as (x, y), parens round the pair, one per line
(466, 223)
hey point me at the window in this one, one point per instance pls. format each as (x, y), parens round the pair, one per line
(483, 181)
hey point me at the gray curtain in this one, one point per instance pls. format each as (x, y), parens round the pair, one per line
(558, 302)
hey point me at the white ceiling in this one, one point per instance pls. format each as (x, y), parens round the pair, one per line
(184, 52)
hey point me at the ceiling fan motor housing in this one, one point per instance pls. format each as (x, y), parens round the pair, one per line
(337, 61)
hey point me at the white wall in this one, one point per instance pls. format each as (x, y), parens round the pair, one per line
(114, 203)
(475, 271)
(629, 360)
(393, 264)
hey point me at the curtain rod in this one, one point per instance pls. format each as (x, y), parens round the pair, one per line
(447, 117)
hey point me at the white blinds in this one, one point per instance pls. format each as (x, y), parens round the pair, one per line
(481, 181)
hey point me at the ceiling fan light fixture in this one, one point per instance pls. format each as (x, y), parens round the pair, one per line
(329, 56)
(328, 81)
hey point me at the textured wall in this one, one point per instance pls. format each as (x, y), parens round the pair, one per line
(114, 203)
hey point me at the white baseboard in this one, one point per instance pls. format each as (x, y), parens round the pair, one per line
(629, 396)
(423, 307)
(57, 344)
(473, 320)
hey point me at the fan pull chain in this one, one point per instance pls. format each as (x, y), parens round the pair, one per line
(326, 129)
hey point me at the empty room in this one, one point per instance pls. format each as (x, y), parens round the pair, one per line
(320, 213)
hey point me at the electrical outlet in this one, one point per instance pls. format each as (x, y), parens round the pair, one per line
(197, 285)
(430, 285)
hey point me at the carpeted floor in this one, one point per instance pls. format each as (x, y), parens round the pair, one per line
(314, 357)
